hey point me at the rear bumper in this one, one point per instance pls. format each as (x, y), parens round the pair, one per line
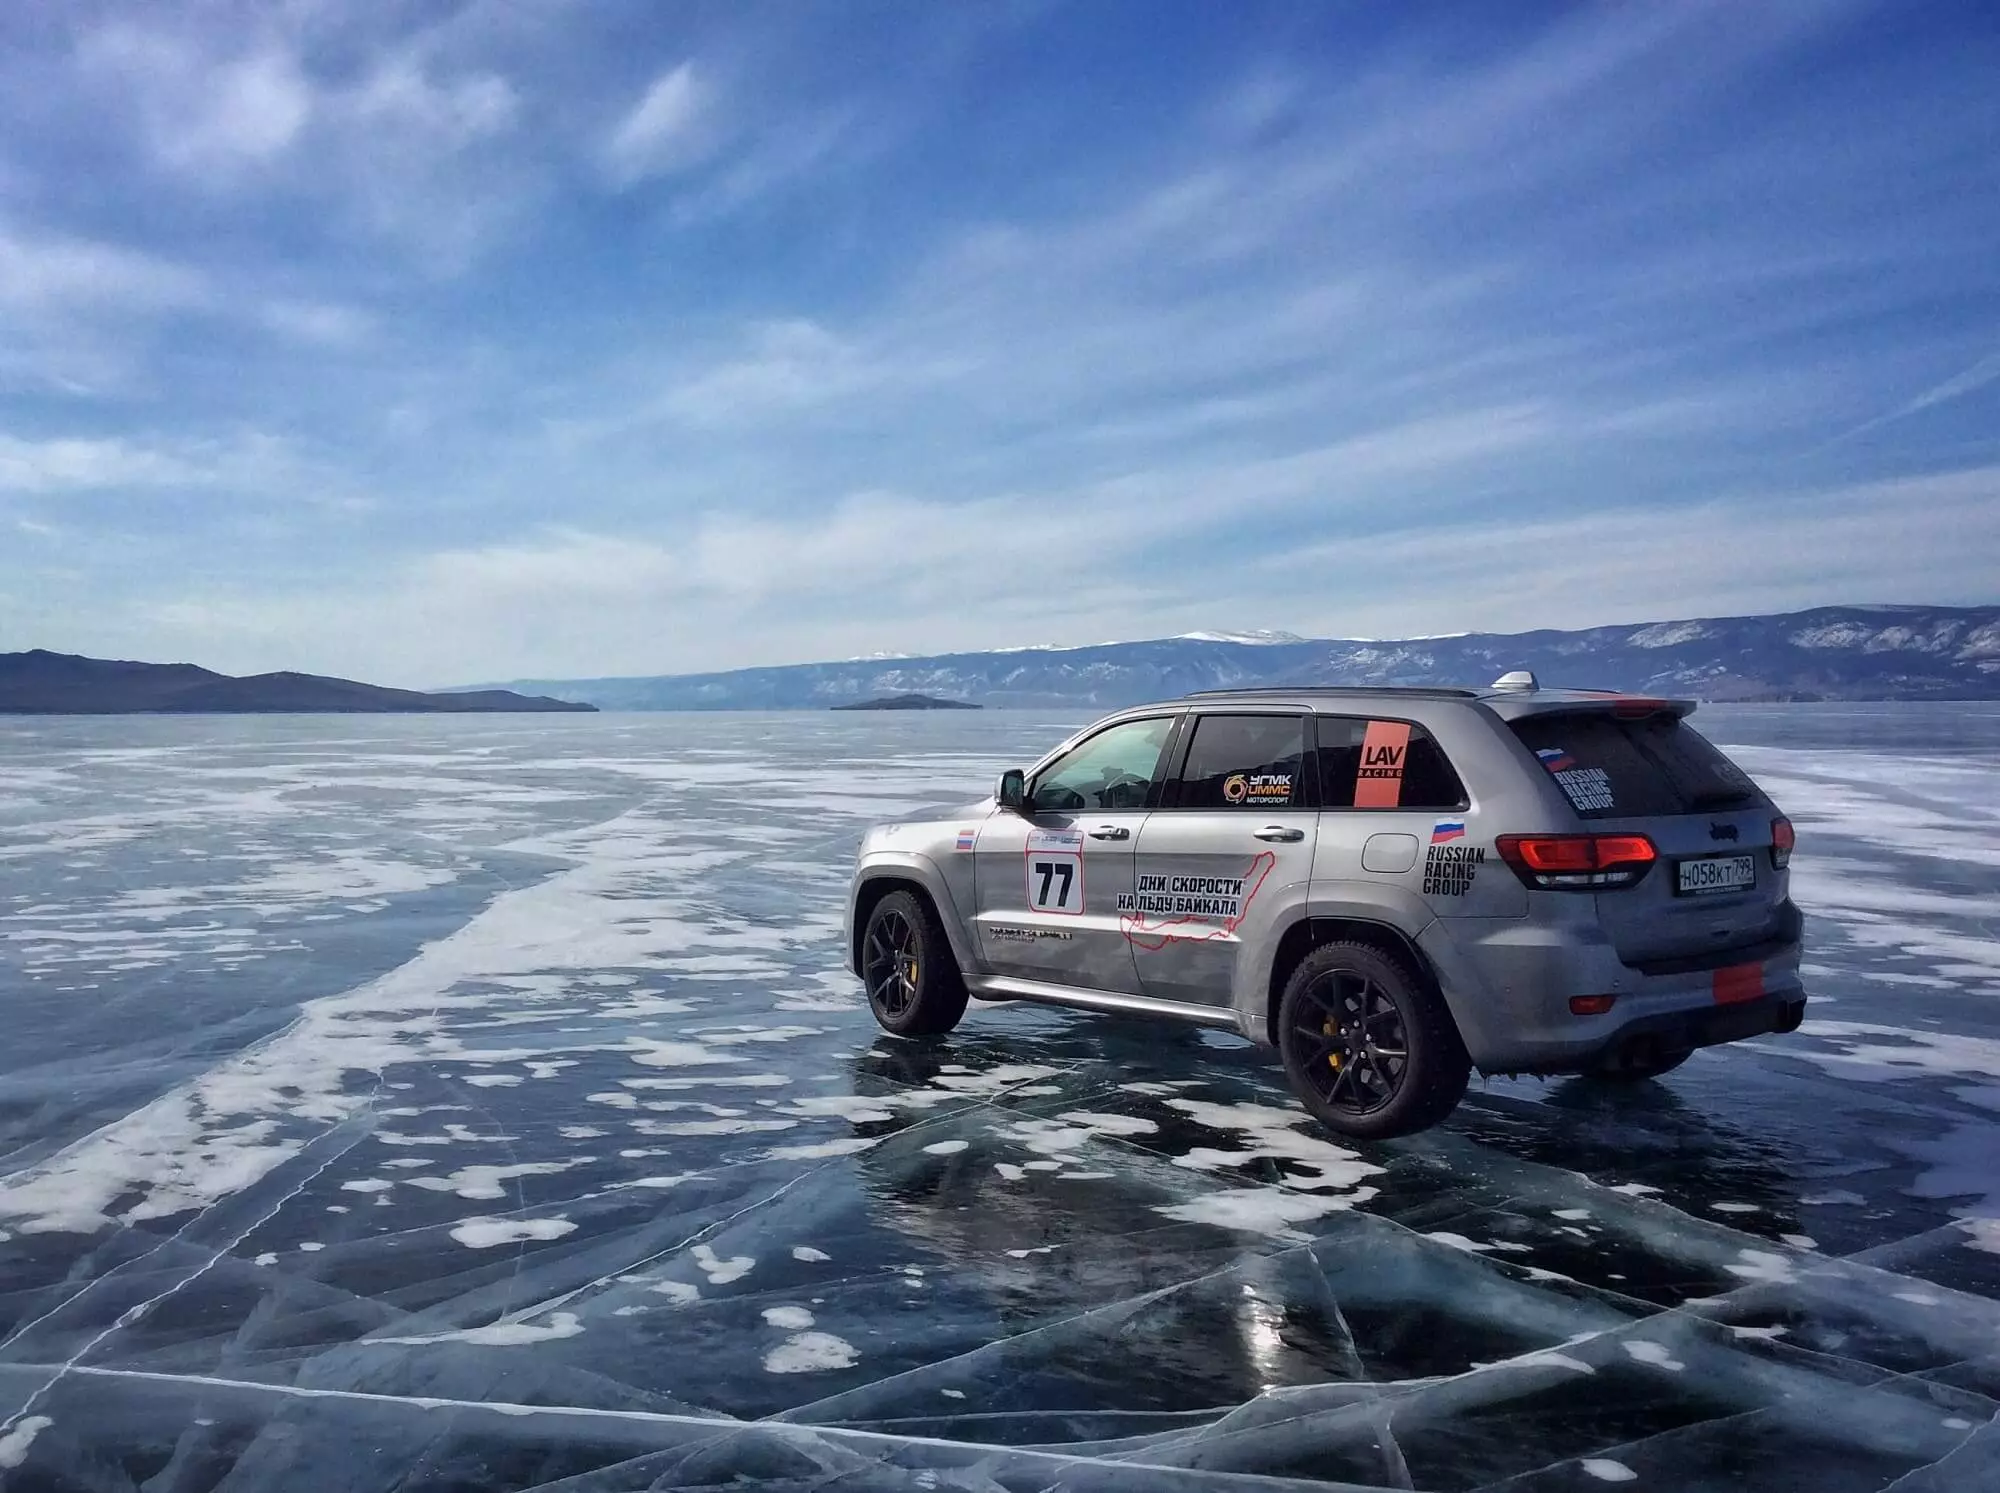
(1639, 1043)
(1509, 983)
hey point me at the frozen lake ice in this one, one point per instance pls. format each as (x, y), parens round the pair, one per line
(479, 1103)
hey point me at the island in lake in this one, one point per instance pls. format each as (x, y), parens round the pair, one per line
(909, 702)
(39, 682)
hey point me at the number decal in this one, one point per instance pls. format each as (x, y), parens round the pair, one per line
(1055, 871)
(1055, 886)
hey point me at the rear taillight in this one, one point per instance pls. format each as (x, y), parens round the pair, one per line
(1578, 863)
(1782, 840)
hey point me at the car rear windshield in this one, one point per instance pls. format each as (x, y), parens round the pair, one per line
(1614, 769)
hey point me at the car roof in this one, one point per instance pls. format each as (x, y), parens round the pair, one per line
(1509, 704)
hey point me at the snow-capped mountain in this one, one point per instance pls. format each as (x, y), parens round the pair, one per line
(1829, 653)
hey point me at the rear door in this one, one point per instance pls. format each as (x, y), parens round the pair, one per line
(1715, 887)
(1236, 823)
(1049, 883)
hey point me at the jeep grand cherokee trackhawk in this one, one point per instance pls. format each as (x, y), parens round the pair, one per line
(1390, 886)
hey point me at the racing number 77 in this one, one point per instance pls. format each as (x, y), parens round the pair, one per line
(1049, 873)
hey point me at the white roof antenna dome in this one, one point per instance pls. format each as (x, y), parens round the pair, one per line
(1519, 679)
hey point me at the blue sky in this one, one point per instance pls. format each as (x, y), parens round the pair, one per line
(429, 343)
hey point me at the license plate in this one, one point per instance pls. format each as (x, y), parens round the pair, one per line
(1715, 873)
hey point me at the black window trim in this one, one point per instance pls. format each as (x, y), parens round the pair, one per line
(1169, 753)
(1168, 801)
(1464, 803)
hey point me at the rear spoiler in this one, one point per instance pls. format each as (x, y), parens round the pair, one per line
(1620, 706)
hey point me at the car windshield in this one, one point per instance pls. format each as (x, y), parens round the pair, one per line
(1610, 768)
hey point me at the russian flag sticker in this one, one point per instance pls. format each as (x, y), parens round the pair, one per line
(1446, 830)
(1555, 759)
(966, 838)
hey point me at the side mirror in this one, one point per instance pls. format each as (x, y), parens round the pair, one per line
(1013, 790)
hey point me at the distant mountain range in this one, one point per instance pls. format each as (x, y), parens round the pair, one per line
(43, 683)
(1828, 653)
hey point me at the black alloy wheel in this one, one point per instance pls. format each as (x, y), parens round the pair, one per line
(913, 981)
(1368, 1045)
(1360, 1054)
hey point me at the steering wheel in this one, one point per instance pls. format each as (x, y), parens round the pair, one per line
(1115, 792)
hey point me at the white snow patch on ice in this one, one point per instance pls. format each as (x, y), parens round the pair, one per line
(477, 1183)
(846, 1146)
(808, 1254)
(1262, 1210)
(484, 1233)
(14, 1445)
(499, 1334)
(1606, 1470)
(810, 1353)
(1272, 1133)
(679, 1292)
(791, 1318)
(1762, 1264)
(1985, 1233)
(1655, 1354)
(946, 1147)
(721, 1272)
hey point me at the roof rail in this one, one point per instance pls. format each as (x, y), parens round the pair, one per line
(1421, 691)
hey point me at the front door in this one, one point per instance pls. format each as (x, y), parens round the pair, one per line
(1049, 882)
(1236, 825)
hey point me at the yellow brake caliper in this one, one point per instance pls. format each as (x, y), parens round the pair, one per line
(1332, 1058)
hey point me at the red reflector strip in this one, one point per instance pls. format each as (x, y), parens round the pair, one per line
(1739, 983)
(1590, 1005)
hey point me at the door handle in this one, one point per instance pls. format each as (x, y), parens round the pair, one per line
(1111, 832)
(1281, 833)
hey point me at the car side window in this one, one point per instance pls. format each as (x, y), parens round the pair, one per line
(1115, 769)
(1381, 764)
(1244, 763)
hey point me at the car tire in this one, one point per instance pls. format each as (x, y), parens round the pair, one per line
(912, 978)
(1638, 1072)
(1339, 1020)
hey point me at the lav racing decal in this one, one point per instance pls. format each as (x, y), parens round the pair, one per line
(1190, 909)
(1058, 935)
(1378, 781)
(1450, 864)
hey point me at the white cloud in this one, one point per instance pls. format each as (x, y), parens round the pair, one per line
(316, 323)
(69, 464)
(669, 129)
(201, 114)
(54, 273)
(401, 96)
(1909, 540)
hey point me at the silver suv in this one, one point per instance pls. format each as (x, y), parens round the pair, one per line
(1390, 886)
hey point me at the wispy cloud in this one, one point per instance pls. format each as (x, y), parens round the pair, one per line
(670, 128)
(69, 464)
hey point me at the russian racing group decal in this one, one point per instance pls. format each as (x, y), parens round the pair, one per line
(1055, 871)
(1587, 788)
(1272, 789)
(1385, 749)
(1451, 864)
(1190, 909)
